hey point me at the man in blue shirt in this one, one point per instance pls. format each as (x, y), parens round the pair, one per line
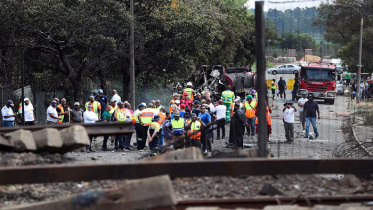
(206, 120)
(102, 99)
(8, 114)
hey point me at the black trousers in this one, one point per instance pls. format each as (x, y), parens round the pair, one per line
(205, 140)
(29, 123)
(221, 125)
(139, 140)
(144, 137)
(282, 91)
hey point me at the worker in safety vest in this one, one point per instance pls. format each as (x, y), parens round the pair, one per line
(96, 106)
(194, 131)
(158, 105)
(177, 125)
(273, 88)
(63, 110)
(189, 90)
(153, 135)
(145, 118)
(127, 140)
(175, 97)
(250, 108)
(228, 97)
(269, 122)
(138, 126)
(122, 115)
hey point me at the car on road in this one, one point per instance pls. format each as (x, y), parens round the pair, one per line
(340, 87)
(284, 69)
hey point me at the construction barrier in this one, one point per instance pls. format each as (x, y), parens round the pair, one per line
(290, 84)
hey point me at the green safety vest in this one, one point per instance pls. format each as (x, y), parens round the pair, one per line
(158, 108)
(147, 116)
(178, 126)
(227, 96)
(348, 75)
(273, 86)
(136, 114)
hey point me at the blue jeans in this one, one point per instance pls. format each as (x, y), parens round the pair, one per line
(120, 139)
(8, 123)
(90, 143)
(313, 121)
(160, 140)
(127, 141)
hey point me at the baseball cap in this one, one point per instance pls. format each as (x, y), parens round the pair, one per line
(196, 102)
(144, 104)
(76, 104)
(249, 97)
(141, 105)
(182, 106)
(177, 102)
(175, 94)
(26, 99)
(100, 91)
(304, 93)
(176, 114)
(186, 94)
(288, 103)
(10, 102)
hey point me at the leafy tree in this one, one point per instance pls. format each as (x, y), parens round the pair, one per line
(297, 41)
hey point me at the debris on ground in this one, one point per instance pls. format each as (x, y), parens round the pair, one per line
(29, 158)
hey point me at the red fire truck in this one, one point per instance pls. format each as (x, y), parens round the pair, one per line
(319, 80)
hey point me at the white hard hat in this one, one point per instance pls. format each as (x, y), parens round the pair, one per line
(189, 84)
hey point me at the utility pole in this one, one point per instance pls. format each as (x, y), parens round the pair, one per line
(261, 78)
(132, 58)
(23, 85)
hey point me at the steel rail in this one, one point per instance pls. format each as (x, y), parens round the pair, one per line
(182, 168)
(93, 129)
(261, 202)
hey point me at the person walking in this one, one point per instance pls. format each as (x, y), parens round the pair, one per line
(301, 103)
(115, 97)
(106, 117)
(309, 111)
(220, 119)
(289, 111)
(77, 114)
(153, 135)
(227, 97)
(281, 88)
(237, 127)
(273, 88)
(8, 114)
(52, 116)
(29, 113)
(295, 89)
(90, 117)
(205, 118)
(250, 107)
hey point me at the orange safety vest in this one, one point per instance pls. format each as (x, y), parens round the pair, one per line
(163, 117)
(190, 92)
(62, 111)
(195, 130)
(269, 122)
(250, 108)
(169, 104)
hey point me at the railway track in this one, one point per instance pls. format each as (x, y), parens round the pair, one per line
(260, 203)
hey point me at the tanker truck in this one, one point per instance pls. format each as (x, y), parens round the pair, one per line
(216, 78)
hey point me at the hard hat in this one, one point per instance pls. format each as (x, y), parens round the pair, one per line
(249, 97)
(253, 92)
(189, 84)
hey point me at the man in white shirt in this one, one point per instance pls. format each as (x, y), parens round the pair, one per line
(220, 118)
(301, 103)
(8, 114)
(289, 111)
(115, 97)
(29, 113)
(90, 117)
(52, 116)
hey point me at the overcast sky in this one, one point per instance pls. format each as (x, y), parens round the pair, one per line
(287, 4)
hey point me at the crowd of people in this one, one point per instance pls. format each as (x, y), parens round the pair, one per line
(188, 119)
